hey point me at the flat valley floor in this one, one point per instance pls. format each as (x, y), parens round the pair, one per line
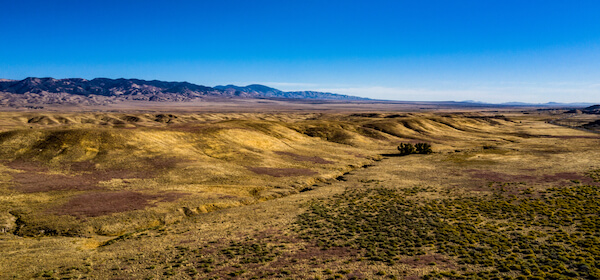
(297, 195)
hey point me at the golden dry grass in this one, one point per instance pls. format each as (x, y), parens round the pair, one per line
(190, 179)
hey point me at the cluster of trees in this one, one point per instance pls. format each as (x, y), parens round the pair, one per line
(419, 148)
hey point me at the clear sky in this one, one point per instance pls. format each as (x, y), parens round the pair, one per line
(484, 50)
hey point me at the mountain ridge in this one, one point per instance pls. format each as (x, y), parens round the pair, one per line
(33, 90)
(270, 92)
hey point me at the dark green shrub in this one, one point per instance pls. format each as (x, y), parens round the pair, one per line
(419, 148)
(406, 149)
(423, 148)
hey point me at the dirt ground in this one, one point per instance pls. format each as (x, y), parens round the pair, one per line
(229, 196)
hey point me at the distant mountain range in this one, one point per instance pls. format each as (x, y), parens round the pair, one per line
(549, 104)
(268, 92)
(103, 90)
(525, 104)
(36, 92)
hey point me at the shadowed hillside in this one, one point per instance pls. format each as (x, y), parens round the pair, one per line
(223, 195)
(194, 162)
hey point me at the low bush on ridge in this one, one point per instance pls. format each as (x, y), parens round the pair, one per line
(419, 148)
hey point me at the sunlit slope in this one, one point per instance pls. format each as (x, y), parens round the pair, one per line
(110, 173)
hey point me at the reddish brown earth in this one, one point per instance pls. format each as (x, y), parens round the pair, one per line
(297, 157)
(34, 179)
(95, 204)
(31, 182)
(282, 172)
(567, 176)
(493, 176)
(30, 166)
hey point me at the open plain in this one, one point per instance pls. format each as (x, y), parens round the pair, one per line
(298, 194)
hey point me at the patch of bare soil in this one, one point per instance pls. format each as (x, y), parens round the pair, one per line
(566, 176)
(492, 176)
(31, 182)
(298, 157)
(34, 179)
(30, 166)
(282, 172)
(95, 204)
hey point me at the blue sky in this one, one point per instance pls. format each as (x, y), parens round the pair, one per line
(494, 51)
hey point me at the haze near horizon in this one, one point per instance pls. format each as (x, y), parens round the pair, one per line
(492, 51)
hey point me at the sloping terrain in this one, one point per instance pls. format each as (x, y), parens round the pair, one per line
(189, 196)
(595, 109)
(593, 125)
(587, 118)
(181, 165)
(205, 165)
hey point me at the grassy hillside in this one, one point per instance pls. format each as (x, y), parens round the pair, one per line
(223, 195)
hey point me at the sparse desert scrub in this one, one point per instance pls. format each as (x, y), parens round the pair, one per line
(202, 211)
(595, 175)
(72, 162)
(505, 235)
(71, 156)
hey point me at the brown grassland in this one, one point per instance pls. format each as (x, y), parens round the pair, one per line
(297, 195)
